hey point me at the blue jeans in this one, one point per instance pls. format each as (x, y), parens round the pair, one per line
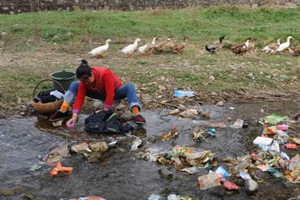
(125, 91)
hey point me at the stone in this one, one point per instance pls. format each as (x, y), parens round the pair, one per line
(120, 106)
(211, 78)
(7, 192)
(161, 87)
(220, 103)
(126, 116)
(250, 186)
(98, 104)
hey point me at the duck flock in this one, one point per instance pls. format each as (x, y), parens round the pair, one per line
(178, 48)
(146, 49)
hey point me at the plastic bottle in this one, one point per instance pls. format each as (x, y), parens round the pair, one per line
(183, 93)
(173, 197)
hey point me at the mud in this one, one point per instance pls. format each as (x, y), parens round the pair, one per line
(121, 173)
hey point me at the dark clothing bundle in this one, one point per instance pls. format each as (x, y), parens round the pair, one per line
(105, 121)
(46, 97)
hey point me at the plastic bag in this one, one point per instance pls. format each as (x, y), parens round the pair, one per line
(274, 119)
(208, 181)
(222, 171)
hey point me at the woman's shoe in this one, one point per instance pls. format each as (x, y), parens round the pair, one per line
(139, 119)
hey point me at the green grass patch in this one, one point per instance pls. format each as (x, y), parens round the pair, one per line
(200, 24)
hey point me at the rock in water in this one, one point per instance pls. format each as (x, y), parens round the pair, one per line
(250, 186)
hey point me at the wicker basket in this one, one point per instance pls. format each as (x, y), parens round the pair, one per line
(46, 108)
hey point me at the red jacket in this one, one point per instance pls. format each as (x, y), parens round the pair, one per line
(106, 82)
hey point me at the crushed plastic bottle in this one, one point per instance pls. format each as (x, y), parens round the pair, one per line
(173, 197)
(183, 93)
(154, 197)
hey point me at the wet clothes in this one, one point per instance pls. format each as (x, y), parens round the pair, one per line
(47, 96)
(105, 121)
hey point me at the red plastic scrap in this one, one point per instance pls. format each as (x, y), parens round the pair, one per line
(291, 146)
(230, 186)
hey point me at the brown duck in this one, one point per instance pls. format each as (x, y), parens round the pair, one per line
(160, 48)
(179, 47)
(296, 50)
(241, 48)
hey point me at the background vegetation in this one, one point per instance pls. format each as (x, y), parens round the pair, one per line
(33, 45)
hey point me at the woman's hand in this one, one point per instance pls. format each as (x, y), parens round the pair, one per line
(99, 110)
(71, 122)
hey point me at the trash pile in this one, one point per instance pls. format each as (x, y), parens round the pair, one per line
(183, 158)
(268, 156)
(275, 139)
(92, 151)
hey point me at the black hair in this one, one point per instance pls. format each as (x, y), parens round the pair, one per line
(83, 71)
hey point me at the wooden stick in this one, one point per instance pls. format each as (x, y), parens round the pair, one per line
(168, 104)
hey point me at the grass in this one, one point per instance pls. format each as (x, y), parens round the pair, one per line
(41, 43)
(201, 24)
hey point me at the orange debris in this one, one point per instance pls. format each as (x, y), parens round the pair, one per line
(60, 169)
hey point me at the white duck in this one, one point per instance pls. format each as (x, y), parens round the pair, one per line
(271, 47)
(128, 50)
(247, 43)
(97, 52)
(147, 47)
(285, 45)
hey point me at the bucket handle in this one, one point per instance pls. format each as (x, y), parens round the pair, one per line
(44, 81)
